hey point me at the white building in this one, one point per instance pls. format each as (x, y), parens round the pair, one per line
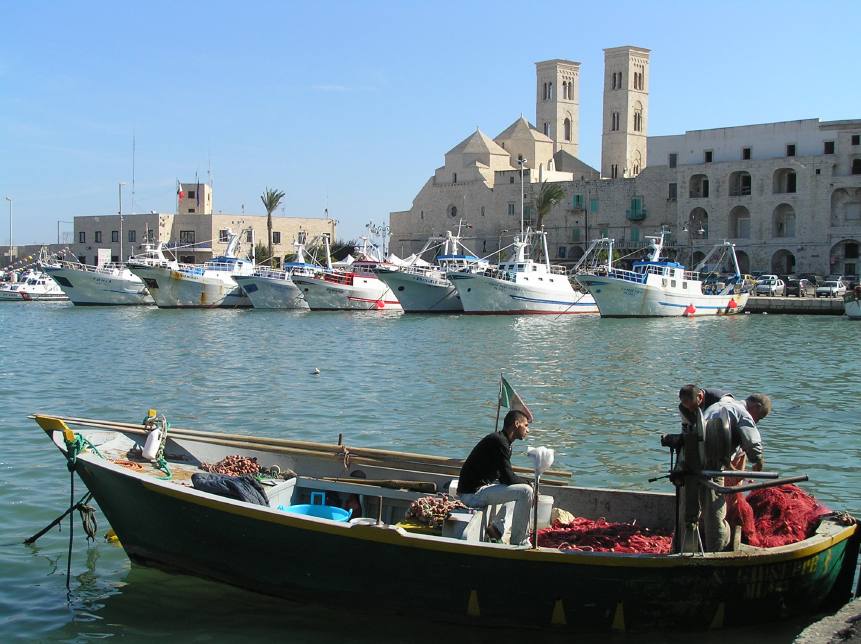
(788, 194)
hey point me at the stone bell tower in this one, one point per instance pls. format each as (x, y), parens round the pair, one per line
(557, 103)
(626, 108)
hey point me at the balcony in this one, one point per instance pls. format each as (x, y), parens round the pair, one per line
(636, 214)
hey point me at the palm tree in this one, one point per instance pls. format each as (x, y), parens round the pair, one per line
(548, 196)
(271, 200)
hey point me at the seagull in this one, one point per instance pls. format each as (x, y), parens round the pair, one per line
(316, 371)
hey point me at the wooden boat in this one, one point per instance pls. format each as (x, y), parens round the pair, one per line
(372, 561)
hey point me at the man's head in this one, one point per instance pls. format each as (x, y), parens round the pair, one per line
(691, 397)
(758, 406)
(515, 425)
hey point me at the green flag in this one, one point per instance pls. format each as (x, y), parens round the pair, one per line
(511, 399)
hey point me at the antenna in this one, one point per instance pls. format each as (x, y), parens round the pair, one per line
(133, 182)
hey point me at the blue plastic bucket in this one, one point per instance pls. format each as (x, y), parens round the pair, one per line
(319, 510)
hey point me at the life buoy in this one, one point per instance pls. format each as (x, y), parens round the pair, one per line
(690, 310)
(732, 304)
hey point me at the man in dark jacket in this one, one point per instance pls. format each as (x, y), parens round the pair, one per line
(486, 478)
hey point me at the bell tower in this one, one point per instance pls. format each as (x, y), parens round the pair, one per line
(626, 108)
(557, 103)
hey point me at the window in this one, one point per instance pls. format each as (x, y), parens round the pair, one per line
(150, 235)
(829, 147)
(133, 236)
(511, 210)
(593, 205)
(850, 250)
(115, 259)
(673, 192)
(577, 201)
(638, 122)
(186, 236)
(790, 150)
(745, 154)
(115, 236)
(614, 122)
(567, 129)
(276, 237)
(186, 259)
(249, 236)
(614, 171)
(191, 194)
(575, 235)
(191, 211)
(511, 179)
(82, 259)
(82, 239)
(708, 156)
(547, 129)
(482, 211)
(222, 236)
(673, 159)
(856, 166)
(856, 139)
(560, 252)
(454, 177)
(98, 236)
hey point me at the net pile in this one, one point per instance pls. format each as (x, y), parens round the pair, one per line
(433, 510)
(233, 465)
(587, 535)
(775, 516)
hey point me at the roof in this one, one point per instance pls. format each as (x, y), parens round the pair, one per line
(477, 143)
(520, 129)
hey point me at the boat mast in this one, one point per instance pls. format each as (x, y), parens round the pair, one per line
(522, 162)
(328, 251)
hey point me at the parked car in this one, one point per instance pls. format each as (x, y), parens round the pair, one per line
(770, 287)
(800, 288)
(831, 288)
(815, 279)
(767, 277)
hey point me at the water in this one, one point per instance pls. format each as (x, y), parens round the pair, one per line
(602, 391)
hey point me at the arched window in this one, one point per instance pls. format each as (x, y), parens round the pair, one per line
(452, 211)
(784, 180)
(783, 221)
(739, 223)
(550, 91)
(567, 129)
(547, 129)
(739, 184)
(638, 122)
(545, 91)
(699, 187)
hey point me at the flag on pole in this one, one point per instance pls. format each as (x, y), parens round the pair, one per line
(179, 192)
(197, 193)
(511, 399)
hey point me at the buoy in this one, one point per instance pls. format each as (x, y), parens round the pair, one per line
(151, 446)
(690, 310)
(731, 304)
(316, 371)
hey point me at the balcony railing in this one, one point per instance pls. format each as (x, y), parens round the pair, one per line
(636, 214)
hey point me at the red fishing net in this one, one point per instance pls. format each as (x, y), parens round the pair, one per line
(775, 516)
(586, 535)
(769, 517)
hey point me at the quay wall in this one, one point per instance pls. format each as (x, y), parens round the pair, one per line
(798, 305)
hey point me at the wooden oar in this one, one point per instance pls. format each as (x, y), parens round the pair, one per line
(447, 464)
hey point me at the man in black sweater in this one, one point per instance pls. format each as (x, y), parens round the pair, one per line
(486, 478)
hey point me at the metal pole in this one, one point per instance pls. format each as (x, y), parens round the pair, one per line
(120, 186)
(9, 199)
(522, 162)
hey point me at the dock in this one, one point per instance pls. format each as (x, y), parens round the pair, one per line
(796, 305)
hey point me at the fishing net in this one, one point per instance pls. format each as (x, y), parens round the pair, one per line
(587, 535)
(775, 516)
(233, 465)
(433, 510)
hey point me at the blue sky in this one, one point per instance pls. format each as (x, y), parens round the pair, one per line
(352, 105)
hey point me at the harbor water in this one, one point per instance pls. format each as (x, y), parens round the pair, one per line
(602, 392)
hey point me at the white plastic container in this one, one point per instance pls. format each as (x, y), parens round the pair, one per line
(151, 446)
(545, 508)
(452, 488)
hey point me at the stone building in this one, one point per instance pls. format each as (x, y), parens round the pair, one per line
(194, 231)
(787, 194)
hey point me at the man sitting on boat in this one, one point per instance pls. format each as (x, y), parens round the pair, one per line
(486, 478)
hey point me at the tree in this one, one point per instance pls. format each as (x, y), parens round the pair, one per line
(548, 196)
(260, 255)
(271, 199)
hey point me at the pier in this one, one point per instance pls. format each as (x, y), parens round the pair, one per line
(798, 305)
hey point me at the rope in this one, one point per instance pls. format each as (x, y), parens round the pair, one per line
(161, 463)
(71, 523)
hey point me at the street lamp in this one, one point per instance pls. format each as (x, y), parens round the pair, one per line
(9, 199)
(120, 186)
(522, 162)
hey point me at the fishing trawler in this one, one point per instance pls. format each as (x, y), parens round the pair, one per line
(107, 285)
(656, 287)
(351, 285)
(210, 285)
(269, 288)
(422, 287)
(521, 285)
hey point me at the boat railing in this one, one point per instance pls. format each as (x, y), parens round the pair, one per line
(271, 273)
(558, 270)
(345, 279)
(228, 267)
(495, 273)
(627, 276)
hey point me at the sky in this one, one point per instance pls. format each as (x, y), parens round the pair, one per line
(351, 106)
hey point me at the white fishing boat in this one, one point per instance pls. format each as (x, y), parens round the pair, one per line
(352, 285)
(852, 304)
(422, 287)
(521, 285)
(269, 288)
(210, 285)
(33, 286)
(656, 287)
(107, 285)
